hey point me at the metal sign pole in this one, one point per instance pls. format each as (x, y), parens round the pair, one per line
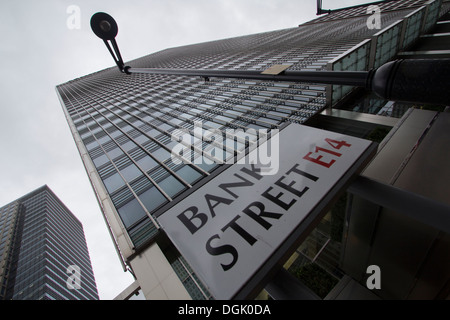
(419, 81)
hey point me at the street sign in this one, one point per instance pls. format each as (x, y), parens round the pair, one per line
(239, 222)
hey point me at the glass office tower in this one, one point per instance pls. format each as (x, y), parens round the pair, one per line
(125, 126)
(41, 245)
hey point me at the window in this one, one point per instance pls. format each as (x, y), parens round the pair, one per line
(91, 145)
(99, 161)
(129, 146)
(115, 152)
(147, 163)
(205, 163)
(189, 174)
(113, 182)
(161, 154)
(131, 212)
(130, 172)
(152, 199)
(115, 133)
(171, 185)
(104, 139)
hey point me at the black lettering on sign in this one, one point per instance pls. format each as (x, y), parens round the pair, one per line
(220, 250)
(200, 218)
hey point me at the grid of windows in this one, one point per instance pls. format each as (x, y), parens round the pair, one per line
(390, 5)
(11, 217)
(130, 143)
(46, 241)
(356, 59)
(432, 15)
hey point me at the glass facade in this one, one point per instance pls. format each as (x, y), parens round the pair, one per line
(11, 220)
(356, 59)
(45, 240)
(432, 14)
(127, 123)
(413, 27)
(399, 33)
(387, 44)
(124, 125)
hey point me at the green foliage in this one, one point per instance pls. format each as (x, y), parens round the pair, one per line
(337, 218)
(315, 278)
(378, 134)
(431, 107)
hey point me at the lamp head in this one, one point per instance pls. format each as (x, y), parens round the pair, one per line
(104, 26)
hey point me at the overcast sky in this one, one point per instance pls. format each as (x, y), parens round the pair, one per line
(38, 51)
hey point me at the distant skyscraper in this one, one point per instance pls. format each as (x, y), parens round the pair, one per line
(123, 125)
(43, 251)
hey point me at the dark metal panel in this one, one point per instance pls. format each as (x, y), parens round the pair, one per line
(412, 205)
(428, 171)
(275, 263)
(399, 248)
(434, 274)
(390, 158)
(358, 237)
(407, 244)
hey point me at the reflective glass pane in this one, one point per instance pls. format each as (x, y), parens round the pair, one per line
(91, 145)
(147, 163)
(205, 163)
(161, 154)
(115, 152)
(141, 139)
(104, 139)
(131, 212)
(113, 182)
(130, 172)
(171, 185)
(128, 145)
(189, 174)
(152, 199)
(164, 127)
(101, 160)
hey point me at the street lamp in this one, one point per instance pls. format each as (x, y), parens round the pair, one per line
(414, 80)
(105, 27)
(319, 8)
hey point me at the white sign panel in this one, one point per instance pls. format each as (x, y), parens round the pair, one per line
(230, 226)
